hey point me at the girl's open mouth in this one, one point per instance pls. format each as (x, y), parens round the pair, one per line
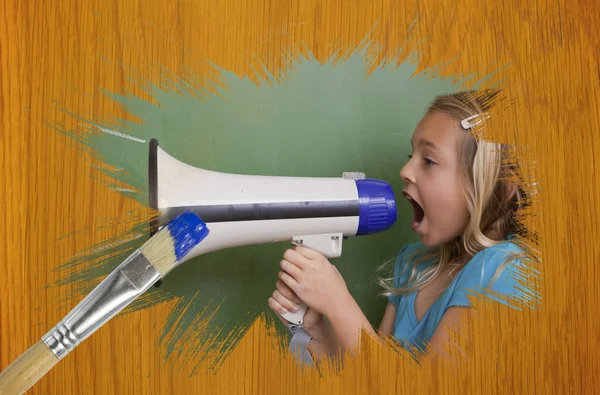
(419, 213)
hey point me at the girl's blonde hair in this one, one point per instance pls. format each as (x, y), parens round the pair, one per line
(485, 168)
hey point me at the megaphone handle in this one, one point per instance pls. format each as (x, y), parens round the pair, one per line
(328, 244)
(298, 316)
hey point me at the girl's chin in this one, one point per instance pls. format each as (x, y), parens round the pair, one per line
(426, 238)
(428, 242)
(431, 241)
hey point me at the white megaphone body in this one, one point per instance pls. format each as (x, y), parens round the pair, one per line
(239, 210)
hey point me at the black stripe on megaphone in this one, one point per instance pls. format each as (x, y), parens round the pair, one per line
(266, 211)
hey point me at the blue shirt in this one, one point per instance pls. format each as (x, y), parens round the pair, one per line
(471, 280)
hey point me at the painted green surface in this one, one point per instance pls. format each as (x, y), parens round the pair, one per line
(321, 121)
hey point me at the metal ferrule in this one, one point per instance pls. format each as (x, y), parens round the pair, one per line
(126, 283)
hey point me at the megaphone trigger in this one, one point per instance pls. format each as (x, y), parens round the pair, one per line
(328, 244)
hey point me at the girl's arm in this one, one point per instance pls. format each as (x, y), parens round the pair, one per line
(347, 320)
(344, 330)
(386, 327)
(324, 342)
(325, 339)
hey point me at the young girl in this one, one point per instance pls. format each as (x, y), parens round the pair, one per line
(465, 207)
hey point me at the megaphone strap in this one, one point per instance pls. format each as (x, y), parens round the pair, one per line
(299, 345)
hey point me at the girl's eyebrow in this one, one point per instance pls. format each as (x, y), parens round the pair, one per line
(425, 143)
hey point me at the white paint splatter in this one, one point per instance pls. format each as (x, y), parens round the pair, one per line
(115, 133)
(120, 189)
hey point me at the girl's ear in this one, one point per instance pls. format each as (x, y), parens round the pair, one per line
(511, 190)
(511, 187)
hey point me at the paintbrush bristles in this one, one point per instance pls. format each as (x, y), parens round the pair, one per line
(172, 243)
(160, 251)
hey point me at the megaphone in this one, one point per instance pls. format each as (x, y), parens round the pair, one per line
(240, 210)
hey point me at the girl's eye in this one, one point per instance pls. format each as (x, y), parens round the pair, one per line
(429, 162)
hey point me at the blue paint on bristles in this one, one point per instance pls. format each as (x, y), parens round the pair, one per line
(187, 231)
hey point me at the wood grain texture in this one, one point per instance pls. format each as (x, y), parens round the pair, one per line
(58, 53)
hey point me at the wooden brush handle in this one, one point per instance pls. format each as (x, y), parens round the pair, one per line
(27, 369)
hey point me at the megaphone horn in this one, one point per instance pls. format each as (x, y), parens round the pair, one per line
(240, 210)
(251, 209)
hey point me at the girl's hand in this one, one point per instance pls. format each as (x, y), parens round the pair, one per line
(311, 277)
(284, 300)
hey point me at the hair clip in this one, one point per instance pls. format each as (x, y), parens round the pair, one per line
(466, 124)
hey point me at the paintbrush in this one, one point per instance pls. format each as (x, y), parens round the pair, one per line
(151, 262)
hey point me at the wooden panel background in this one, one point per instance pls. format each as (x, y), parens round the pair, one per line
(49, 52)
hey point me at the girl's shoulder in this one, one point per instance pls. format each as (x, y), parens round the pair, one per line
(498, 254)
(499, 261)
(497, 269)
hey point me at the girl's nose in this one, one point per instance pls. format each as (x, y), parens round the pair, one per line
(406, 173)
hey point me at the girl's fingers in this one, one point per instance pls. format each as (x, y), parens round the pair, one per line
(276, 307)
(286, 291)
(291, 269)
(288, 280)
(284, 302)
(297, 259)
(307, 252)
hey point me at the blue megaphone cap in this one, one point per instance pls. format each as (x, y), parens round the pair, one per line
(377, 206)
